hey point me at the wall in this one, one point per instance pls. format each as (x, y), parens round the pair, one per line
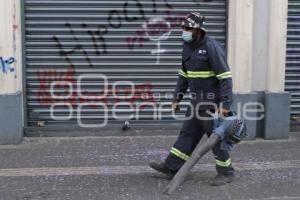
(260, 44)
(257, 54)
(10, 45)
(11, 120)
(257, 44)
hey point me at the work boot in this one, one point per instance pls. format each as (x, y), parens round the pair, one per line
(221, 179)
(162, 168)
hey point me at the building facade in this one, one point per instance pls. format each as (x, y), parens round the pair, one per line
(94, 64)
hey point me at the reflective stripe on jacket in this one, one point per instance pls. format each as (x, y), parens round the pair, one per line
(206, 72)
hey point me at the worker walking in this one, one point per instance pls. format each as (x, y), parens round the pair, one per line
(206, 73)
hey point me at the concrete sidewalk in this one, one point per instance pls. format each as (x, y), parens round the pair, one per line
(117, 168)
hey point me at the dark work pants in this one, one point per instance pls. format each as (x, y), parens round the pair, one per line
(190, 135)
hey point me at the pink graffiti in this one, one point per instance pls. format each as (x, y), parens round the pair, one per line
(46, 77)
(159, 28)
(15, 25)
(140, 93)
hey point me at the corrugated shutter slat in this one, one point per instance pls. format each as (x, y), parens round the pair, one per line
(70, 38)
(292, 83)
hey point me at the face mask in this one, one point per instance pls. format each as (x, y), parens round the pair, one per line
(187, 36)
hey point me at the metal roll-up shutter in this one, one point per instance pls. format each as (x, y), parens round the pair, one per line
(292, 83)
(72, 45)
